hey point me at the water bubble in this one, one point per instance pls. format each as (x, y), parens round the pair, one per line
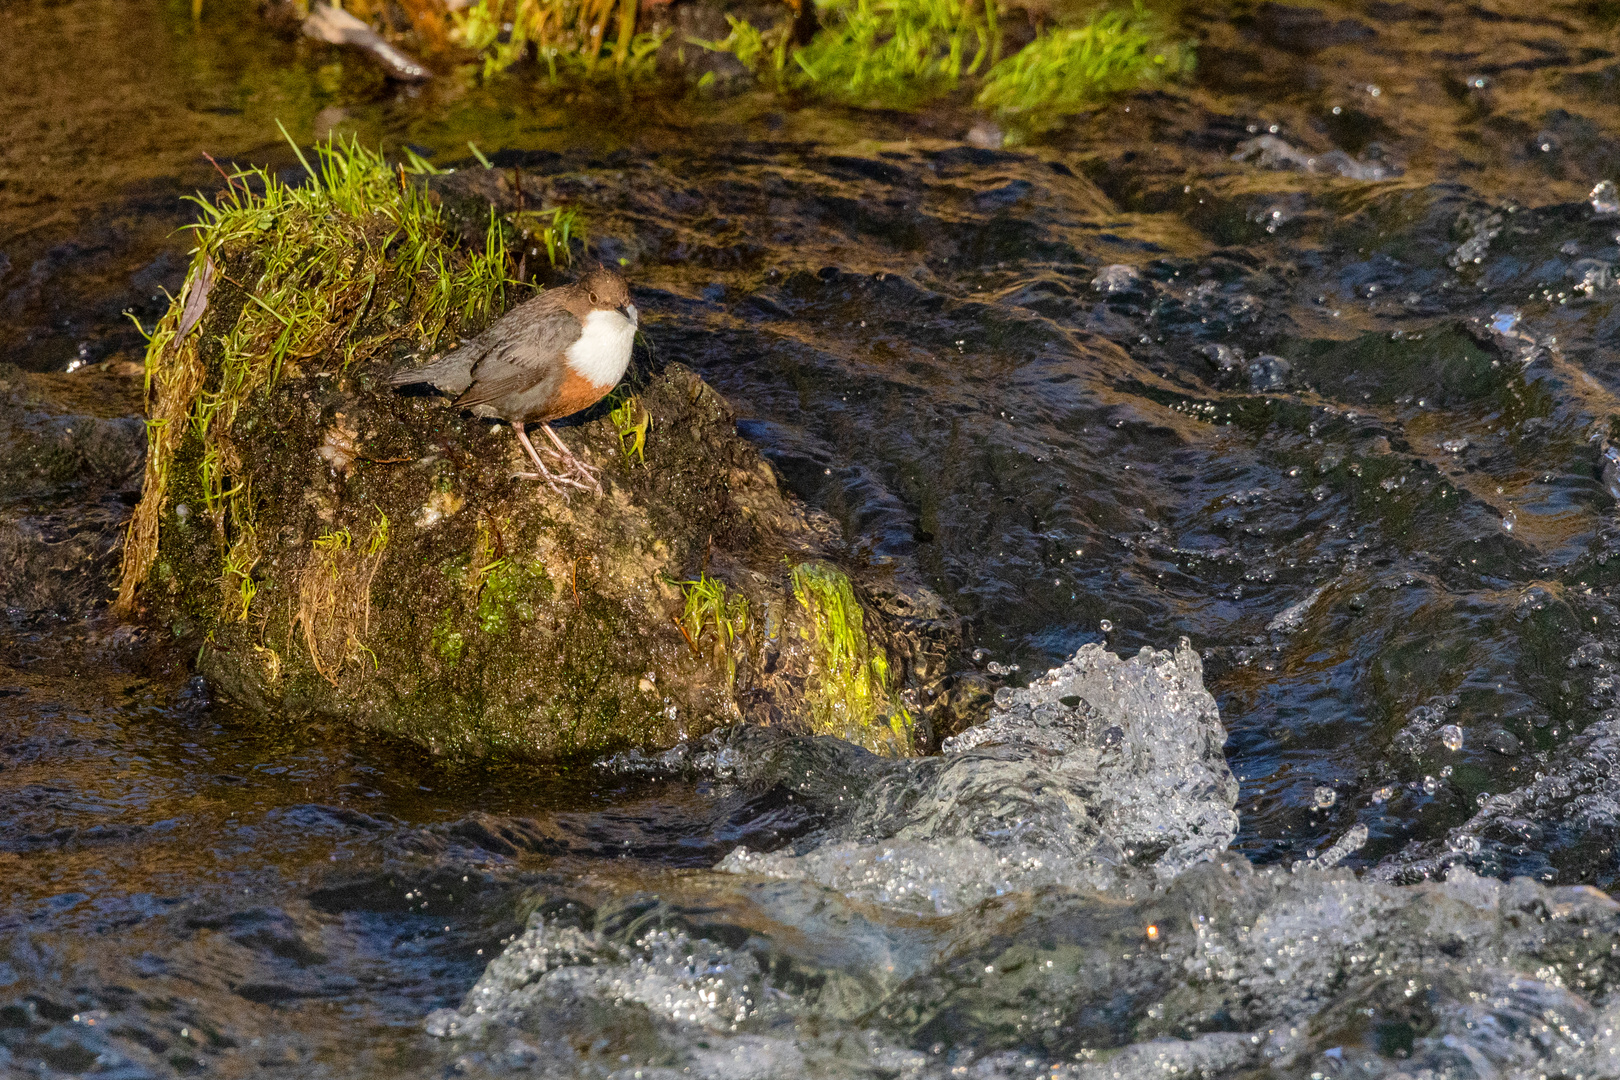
(1267, 372)
(1324, 797)
(1383, 794)
(1454, 446)
(980, 655)
(1605, 198)
(1445, 773)
(1507, 522)
(995, 668)
(1105, 626)
(1430, 785)
(1451, 737)
(1117, 278)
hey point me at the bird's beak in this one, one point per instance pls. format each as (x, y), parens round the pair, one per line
(629, 312)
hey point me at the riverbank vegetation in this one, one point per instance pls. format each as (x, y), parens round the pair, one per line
(1028, 63)
(898, 52)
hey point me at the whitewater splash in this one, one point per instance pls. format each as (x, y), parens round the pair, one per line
(1104, 773)
(1052, 894)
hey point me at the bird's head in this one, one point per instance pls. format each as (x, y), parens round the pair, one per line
(607, 291)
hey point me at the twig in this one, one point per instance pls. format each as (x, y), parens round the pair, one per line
(229, 183)
(573, 580)
(676, 619)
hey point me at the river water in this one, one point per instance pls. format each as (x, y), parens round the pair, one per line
(1302, 377)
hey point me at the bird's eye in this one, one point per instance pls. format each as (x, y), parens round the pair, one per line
(594, 301)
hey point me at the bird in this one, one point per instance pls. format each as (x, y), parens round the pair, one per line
(550, 357)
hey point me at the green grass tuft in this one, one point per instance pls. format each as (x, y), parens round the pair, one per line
(631, 420)
(896, 52)
(558, 228)
(899, 53)
(710, 604)
(328, 274)
(1069, 69)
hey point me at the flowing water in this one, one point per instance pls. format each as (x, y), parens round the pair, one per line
(1303, 378)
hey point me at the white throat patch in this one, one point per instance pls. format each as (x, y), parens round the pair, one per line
(603, 350)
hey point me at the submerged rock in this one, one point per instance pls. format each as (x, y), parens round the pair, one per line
(343, 549)
(71, 451)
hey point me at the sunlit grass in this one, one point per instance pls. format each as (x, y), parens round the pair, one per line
(897, 51)
(710, 604)
(328, 274)
(1067, 69)
(905, 52)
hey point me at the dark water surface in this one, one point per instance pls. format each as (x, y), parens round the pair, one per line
(1334, 405)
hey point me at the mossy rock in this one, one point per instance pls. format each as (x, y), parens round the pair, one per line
(422, 590)
(346, 550)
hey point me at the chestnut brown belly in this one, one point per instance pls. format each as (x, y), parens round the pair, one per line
(575, 393)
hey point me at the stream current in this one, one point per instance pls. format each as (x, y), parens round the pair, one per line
(1302, 379)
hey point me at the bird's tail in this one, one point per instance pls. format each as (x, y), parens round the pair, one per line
(451, 373)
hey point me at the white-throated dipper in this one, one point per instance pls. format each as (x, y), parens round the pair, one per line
(547, 358)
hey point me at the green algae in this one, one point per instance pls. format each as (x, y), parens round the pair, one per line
(507, 593)
(851, 696)
(448, 644)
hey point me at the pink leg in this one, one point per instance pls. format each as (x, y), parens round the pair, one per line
(553, 482)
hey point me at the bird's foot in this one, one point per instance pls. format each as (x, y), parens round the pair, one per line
(574, 471)
(559, 483)
(562, 485)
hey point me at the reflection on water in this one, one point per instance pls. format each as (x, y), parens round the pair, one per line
(1349, 436)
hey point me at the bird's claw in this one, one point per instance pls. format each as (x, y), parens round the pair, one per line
(558, 484)
(573, 469)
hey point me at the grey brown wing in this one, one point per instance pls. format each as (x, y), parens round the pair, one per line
(525, 357)
(533, 334)
(507, 384)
